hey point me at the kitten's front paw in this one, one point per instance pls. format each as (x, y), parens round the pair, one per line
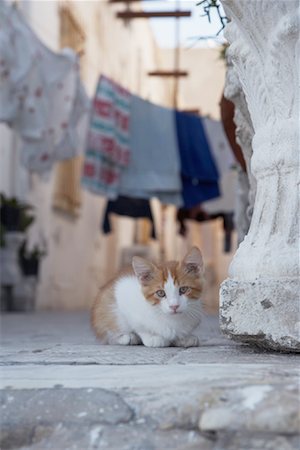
(135, 339)
(187, 341)
(128, 339)
(154, 341)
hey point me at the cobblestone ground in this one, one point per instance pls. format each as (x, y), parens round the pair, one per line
(62, 390)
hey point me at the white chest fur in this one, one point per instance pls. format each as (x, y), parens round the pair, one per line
(136, 314)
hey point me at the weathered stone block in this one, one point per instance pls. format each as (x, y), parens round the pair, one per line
(265, 312)
(23, 411)
(260, 301)
(260, 408)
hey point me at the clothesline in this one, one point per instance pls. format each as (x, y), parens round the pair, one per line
(89, 60)
(134, 147)
(134, 150)
(141, 150)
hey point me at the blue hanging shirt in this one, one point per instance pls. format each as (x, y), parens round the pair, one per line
(199, 173)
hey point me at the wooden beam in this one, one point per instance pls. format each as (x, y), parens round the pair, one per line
(148, 15)
(170, 73)
(127, 1)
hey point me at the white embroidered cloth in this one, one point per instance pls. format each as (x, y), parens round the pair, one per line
(41, 95)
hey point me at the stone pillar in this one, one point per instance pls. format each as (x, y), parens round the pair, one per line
(259, 302)
(244, 134)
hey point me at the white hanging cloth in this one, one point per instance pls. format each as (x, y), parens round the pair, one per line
(41, 95)
(225, 162)
(219, 145)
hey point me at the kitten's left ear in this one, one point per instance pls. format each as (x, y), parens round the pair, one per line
(144, 270)
(193, 262)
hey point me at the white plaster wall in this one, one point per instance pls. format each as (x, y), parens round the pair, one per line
(203, 88)
(79, 257)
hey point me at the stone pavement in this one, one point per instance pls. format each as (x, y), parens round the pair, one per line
(62, 390)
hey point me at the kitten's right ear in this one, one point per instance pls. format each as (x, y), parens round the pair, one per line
(143, 269)
(193, 262)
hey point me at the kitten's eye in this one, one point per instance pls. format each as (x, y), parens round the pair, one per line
(183, 290)
(161, 293)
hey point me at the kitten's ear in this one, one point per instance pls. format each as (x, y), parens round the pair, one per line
(143, 269)
(193, 262)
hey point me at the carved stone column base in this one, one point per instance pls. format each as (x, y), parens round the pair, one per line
(264, 312)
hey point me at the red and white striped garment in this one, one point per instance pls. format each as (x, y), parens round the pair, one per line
(107, 152)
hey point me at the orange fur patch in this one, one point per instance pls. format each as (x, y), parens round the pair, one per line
(103, 317)
(181, 278)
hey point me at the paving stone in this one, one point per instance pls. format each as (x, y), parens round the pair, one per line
(46, 327)
(265, 441)
(23, 410)
(243, 398)
(121, 437)
(257, 408)
(92, 354)
(170, 378)
(139, 437)
(222, 352)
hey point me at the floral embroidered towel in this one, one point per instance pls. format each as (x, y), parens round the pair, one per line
(41, 95)
(107, 152)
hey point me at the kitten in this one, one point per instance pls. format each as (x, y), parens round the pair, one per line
(158, 306)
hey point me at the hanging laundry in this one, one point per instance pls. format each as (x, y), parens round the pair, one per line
(137, 208)
(107, 153)
(218, 144)
(62, 139)
(15, 57)
(199, 172)
(73, 140)
(220, 206)
(226, 201)
(154, 169)
(228, 228)
(42, 97)
(226, 164)
(196, 213)
(199, 214)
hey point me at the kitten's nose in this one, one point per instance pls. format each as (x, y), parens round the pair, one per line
(174, 308)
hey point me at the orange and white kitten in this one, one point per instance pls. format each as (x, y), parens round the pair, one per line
(158, 306)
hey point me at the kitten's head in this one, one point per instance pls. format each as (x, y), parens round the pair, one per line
(174, 285)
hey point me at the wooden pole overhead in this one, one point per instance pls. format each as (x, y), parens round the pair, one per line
(128, 15)
(168, 73)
